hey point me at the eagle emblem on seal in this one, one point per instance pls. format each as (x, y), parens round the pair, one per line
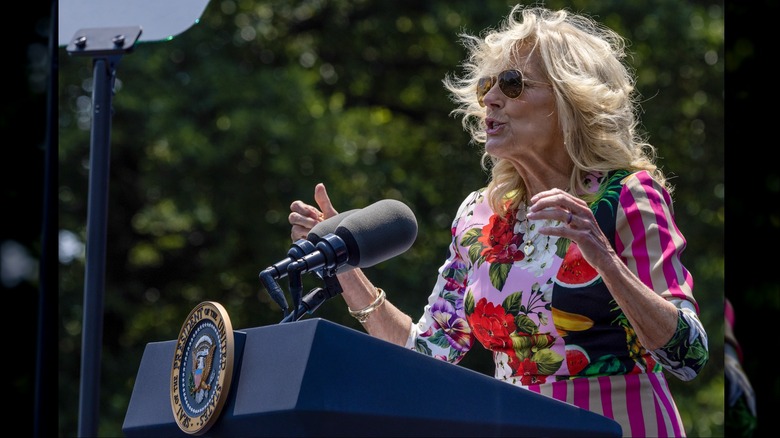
(202, 356)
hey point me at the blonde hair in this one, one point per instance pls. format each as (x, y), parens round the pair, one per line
(594, 94)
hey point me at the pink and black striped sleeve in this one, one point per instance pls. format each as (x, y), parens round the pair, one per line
(650, 243)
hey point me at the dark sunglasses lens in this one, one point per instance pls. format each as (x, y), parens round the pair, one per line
(511, 83)
(483, 86)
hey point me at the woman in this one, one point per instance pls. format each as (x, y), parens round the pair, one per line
(567, 265)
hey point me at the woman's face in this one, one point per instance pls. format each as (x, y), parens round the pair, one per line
(523, 129)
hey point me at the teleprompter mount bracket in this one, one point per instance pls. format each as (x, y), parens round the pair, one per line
(104, 41)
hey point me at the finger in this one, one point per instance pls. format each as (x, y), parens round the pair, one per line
(323, 201)
(303, 210)
(557, 200)
(299, 232)
(303, 217)
(554, 193)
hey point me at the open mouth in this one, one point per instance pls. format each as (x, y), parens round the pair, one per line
(492, 126)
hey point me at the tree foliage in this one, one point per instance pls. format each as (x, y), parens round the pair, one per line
(217, 131)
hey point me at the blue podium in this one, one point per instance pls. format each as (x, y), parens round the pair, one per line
(318, 378)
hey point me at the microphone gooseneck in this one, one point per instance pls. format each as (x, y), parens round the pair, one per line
(298, 250)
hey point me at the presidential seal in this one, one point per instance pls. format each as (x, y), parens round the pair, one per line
(202, 368)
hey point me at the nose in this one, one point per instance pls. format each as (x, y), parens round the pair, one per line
(494, 96)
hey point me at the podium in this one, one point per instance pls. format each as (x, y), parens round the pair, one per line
(317, 378)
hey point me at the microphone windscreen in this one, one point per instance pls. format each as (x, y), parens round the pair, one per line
(378, 232)
(328, 226)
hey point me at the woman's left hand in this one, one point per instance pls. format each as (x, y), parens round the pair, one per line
(577, 223)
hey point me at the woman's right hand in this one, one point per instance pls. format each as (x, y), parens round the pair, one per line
(303, 217)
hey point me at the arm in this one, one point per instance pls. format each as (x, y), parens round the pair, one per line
(650, 247)
(441, 332)
(387, 321)
(643, 272)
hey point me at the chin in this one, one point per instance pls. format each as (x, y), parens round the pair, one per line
(493, 147)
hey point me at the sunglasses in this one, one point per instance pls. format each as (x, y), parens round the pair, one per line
(510, 82)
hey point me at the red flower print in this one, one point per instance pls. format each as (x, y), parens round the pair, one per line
(527, 370)
(492, 325)
(500, 241)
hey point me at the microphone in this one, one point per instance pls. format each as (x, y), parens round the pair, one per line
(382, 231)
(298, 249)
(374, 234)
(327, 226)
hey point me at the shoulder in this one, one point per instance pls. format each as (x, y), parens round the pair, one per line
(640, 186)
(626, 195)
(639, 177)
(470, 202)
(627, 185)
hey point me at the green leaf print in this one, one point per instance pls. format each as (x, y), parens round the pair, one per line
(526, 325)
(512, 303)
(471, 237)
(475, 254)
(468, 303)
(498, 274)
(610, 191)
(547, 361)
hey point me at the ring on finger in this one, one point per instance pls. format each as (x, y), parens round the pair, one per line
(568, 219)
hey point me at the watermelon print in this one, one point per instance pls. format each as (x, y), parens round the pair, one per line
(576, 359)
(575, 270)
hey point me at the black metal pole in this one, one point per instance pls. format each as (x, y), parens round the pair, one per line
(45, 368)
(99, 164)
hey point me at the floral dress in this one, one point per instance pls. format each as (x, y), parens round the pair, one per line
(547, 316)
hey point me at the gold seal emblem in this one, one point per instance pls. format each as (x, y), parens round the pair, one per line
(202, 368)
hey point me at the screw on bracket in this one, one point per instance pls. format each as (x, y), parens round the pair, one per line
(119, 40)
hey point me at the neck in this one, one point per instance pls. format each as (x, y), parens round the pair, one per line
(545, 173)
(536, 185)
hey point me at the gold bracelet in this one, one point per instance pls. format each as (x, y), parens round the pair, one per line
(363, 314)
